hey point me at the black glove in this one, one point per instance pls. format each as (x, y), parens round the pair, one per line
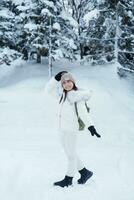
(93, 131)
(58, 76)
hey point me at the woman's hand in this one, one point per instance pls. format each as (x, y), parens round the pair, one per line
(93, 131)
(59, 75)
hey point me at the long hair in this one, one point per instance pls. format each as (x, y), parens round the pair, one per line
(65, 92)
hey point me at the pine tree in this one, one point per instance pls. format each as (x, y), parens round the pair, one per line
(37, 28)
(22, 14)
(68, 35)
(126, 39)
(101, 33)
(7, 24)
(7, 32)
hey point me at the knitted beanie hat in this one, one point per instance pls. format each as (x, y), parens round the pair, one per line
(67, 76)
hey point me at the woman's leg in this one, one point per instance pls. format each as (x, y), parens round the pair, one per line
(69, 145)
(69, 142)
(80, 165)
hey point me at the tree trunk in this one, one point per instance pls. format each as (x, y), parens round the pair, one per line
(25, 54)
(38, 56)
(80, 46)
(50, 47)
(81, 51)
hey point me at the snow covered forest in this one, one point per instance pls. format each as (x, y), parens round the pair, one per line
(95, 31)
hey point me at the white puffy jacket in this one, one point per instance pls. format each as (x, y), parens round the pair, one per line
(68, 120)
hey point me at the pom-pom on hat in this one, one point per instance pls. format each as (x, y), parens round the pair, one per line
(67, 76)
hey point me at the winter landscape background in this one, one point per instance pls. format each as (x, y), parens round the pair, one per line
(93, 39)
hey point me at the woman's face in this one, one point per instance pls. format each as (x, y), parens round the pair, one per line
(67, 85)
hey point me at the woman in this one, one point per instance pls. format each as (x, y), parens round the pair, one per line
(71, 107)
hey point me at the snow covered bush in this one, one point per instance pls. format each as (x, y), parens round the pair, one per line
(7, 56)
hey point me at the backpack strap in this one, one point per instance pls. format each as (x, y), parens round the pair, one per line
(76, 109)
(80, 122)
(88, 109)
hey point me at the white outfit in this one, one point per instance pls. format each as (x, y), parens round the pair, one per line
(68, 122)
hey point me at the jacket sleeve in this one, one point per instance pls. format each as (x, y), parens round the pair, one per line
(79, 95)
(52, 88)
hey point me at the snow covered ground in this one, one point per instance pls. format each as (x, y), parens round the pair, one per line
(30, 152)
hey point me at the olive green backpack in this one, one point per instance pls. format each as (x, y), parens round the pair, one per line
(80, 122)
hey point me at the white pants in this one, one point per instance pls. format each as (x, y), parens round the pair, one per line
(69, 143)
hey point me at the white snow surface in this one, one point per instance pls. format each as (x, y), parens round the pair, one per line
(31, 155)
(56, 26)
(68, 17)
(45, 11)
(30, 26)
(90, 15)
(6, 13)
(23, 8)
(19, 2)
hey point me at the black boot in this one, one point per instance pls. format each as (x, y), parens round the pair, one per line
(65, 182)
(85, 175)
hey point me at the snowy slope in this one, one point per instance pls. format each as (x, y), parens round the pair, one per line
(30, 152)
